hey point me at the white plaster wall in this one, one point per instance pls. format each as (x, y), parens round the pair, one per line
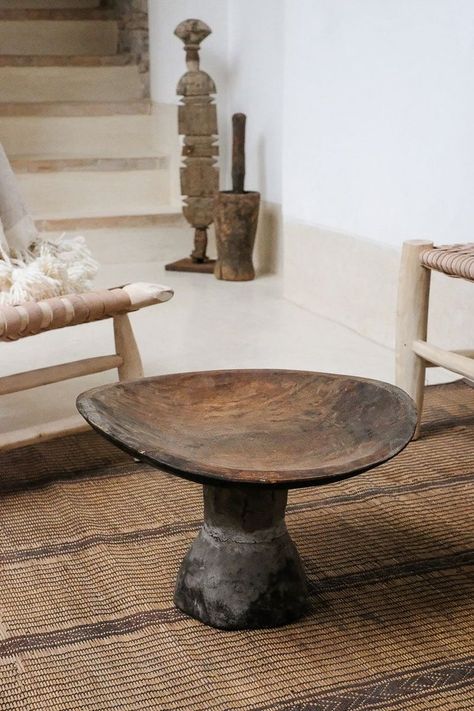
(371, 100)
(255, 75)
(378, 148)
(360, 122)
(256, 61)
(378, 117)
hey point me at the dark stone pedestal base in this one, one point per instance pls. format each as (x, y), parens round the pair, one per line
(243, 570)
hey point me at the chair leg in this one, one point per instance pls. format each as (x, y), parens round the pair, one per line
(126, 347)
(412, 322)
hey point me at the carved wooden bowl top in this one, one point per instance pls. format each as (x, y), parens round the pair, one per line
(266, 427)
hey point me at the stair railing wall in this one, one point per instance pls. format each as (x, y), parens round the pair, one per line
(133, 32)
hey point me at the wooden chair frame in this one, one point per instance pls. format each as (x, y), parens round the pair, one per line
(126, 358)
(413, 352)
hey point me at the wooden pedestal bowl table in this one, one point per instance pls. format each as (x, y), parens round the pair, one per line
(248, 436)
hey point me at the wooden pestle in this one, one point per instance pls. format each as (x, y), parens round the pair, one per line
(238, 152)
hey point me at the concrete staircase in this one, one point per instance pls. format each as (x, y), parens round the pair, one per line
(89, 149)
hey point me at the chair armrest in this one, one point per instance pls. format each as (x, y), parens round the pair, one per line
(33, 317)
(143, 294)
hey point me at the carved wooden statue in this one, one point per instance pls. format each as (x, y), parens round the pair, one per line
(197, 118)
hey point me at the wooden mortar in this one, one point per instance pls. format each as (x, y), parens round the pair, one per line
(236, 216)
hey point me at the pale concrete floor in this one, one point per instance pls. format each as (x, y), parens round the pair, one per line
(208, 325)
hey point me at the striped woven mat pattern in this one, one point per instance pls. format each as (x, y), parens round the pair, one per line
(90, 543)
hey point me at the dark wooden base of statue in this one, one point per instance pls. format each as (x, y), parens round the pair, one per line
(188, 265)
(198, 262)
(243, 570)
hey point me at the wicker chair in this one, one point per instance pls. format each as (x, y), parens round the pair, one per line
(31, 318)
(18, 236)
(413, 353)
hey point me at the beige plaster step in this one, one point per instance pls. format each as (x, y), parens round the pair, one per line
(50, 4)
(162, 215)
(48, 164)
(55, 13)
(95, 193)
(75, 108)
(66, 84)
(64, 60)
(120, 136)
(122, 245)
(55, 36)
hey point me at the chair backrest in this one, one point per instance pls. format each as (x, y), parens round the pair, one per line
(18, 228)
(32, 267)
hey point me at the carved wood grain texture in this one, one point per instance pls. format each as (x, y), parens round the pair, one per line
(197, 122)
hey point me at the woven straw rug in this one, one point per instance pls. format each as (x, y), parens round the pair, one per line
(90, 543)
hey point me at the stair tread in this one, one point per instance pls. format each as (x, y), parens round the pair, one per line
(48, 4)
(46, 164)
(54, 14)
(76, 60)
(75, 108)
(154, 216)
(127, 212)
(72, 84)
(158, 209)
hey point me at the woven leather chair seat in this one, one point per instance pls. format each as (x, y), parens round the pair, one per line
(456, 260)
(33, 317)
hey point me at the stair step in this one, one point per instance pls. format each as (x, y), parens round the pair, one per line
(22, 14)
(60, 60)
(47, 36)
(79, 136)
(120, 245)
(50, 4)
(48, 164)
(105, 136)
(66, 84)
(75, 108)
(165, 214)
(94, 194)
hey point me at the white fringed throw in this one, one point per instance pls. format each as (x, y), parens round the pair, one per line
(32, 267)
